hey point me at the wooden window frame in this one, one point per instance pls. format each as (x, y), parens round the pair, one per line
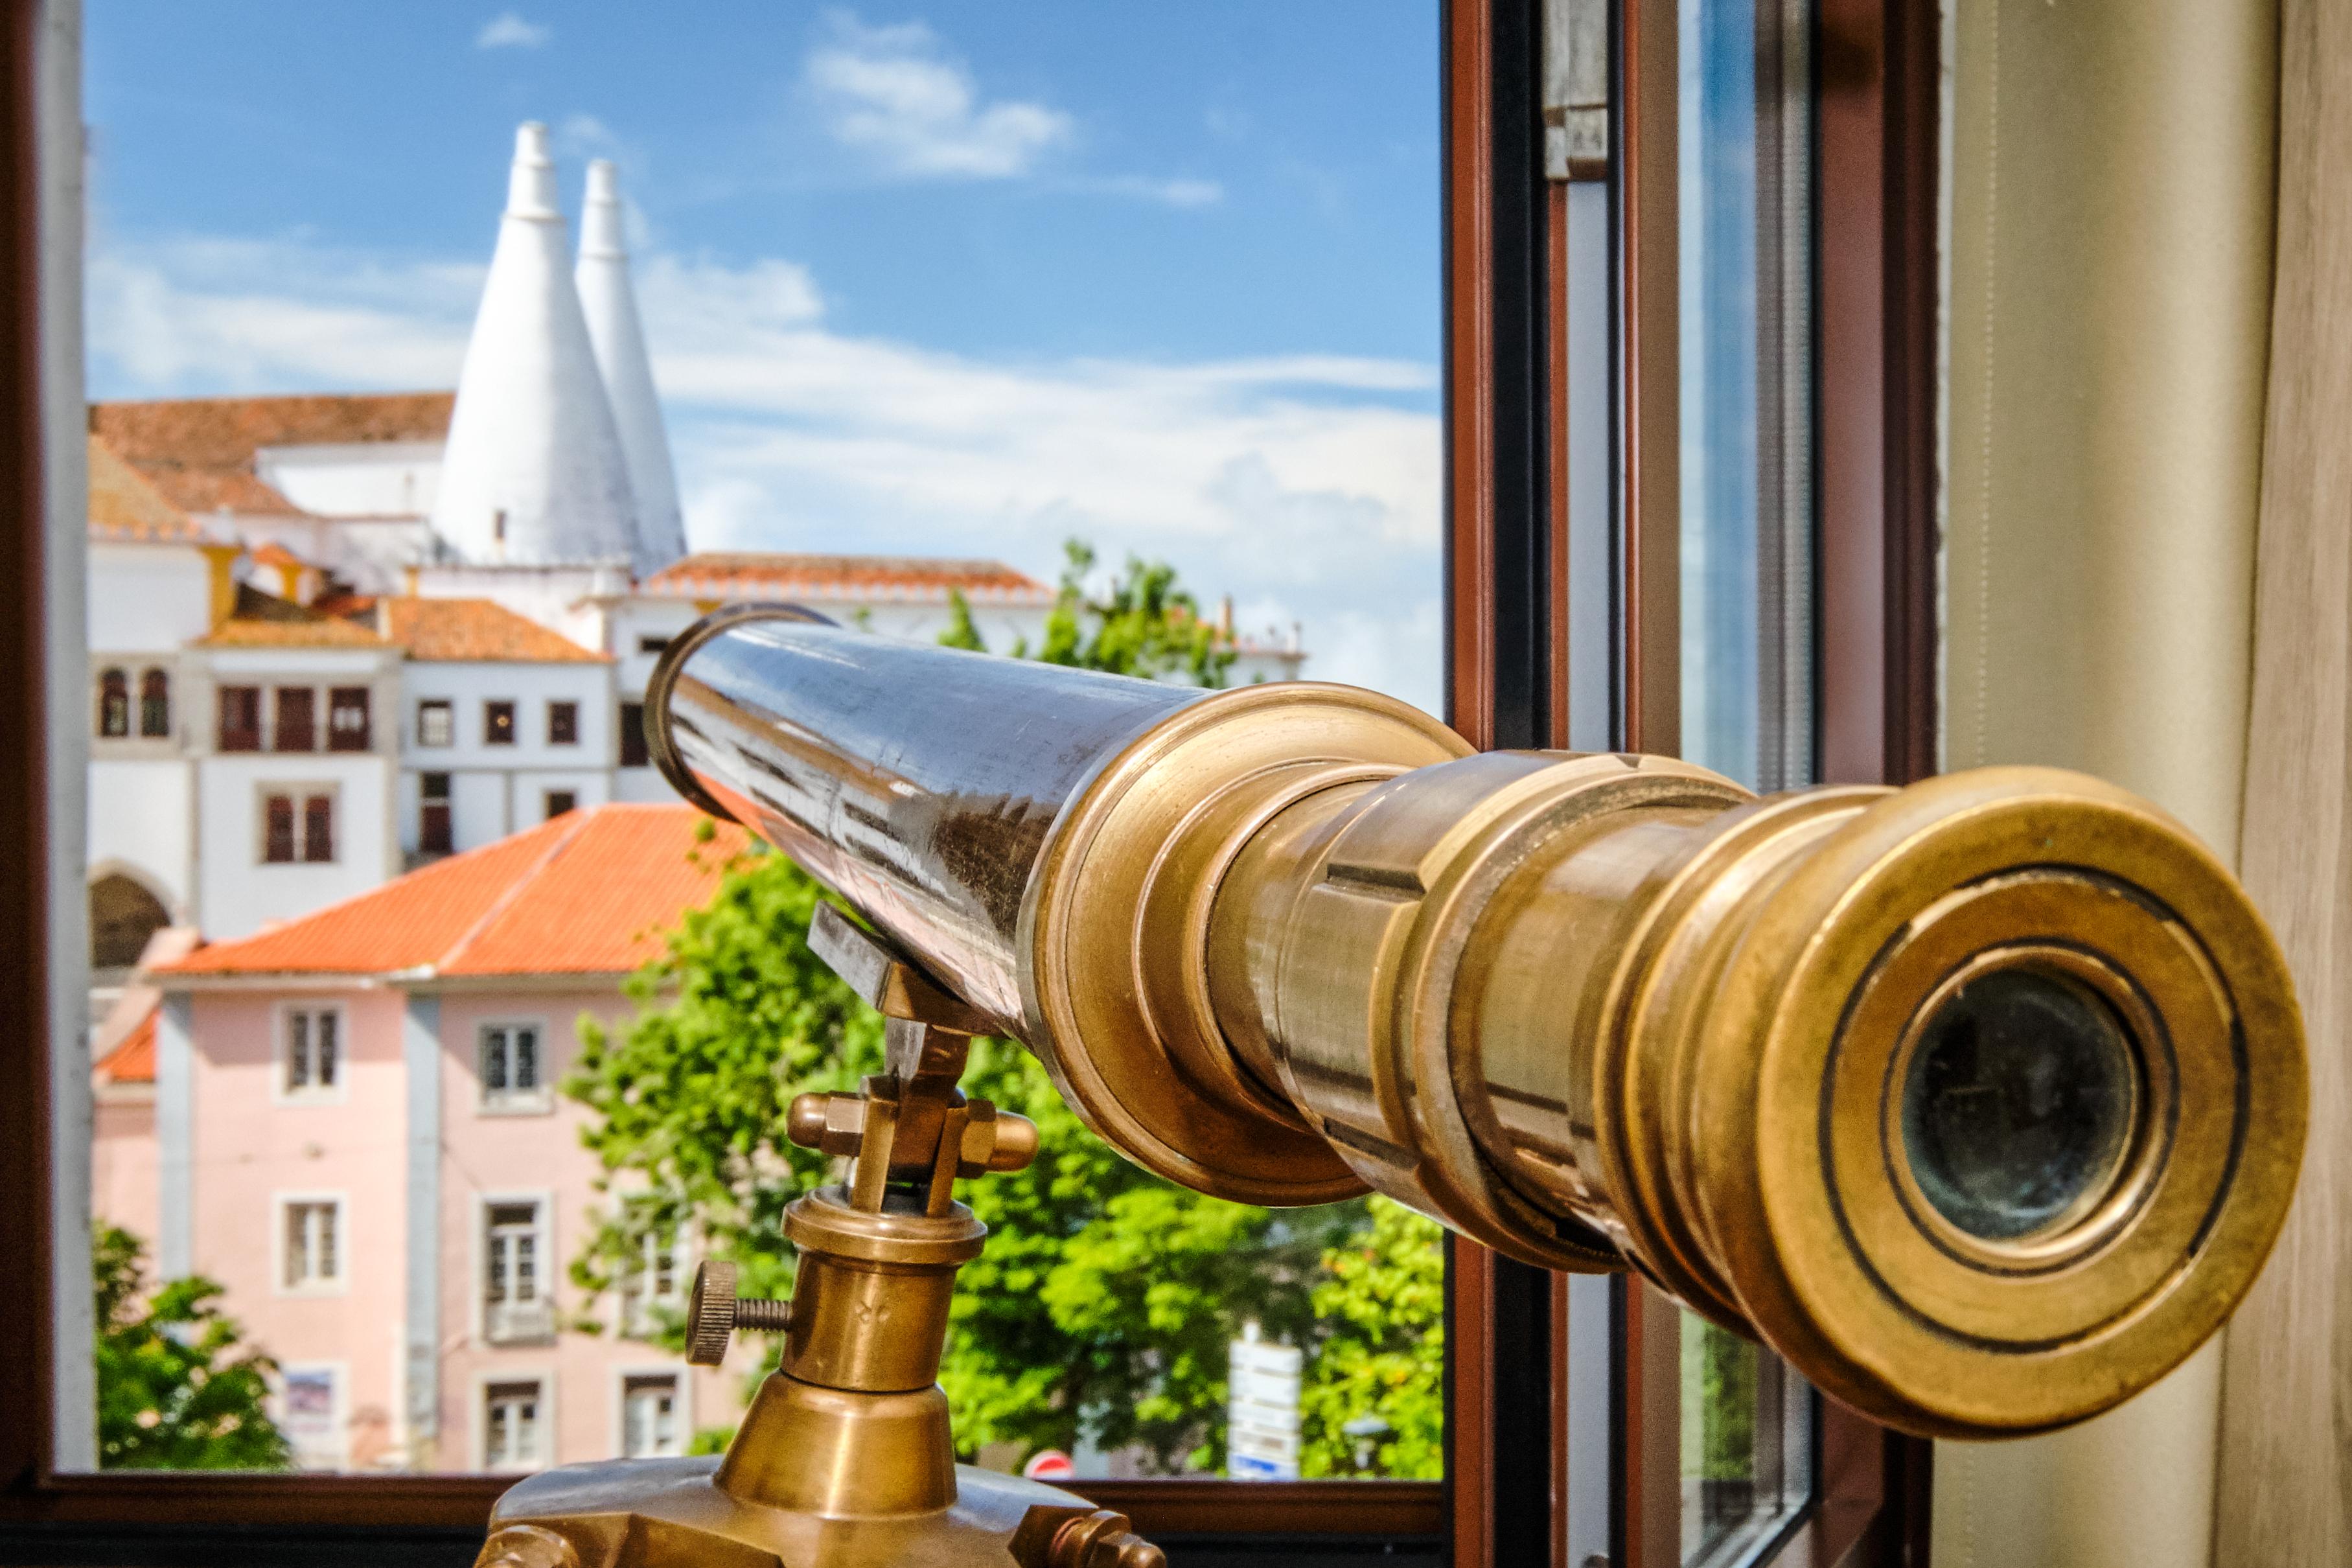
(1505, 650)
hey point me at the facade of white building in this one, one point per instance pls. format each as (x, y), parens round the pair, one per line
(335, 635)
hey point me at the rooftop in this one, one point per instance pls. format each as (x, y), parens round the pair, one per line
(475, 630)
(198, 452)
(777, 575)
(592, 892)
(125, 505)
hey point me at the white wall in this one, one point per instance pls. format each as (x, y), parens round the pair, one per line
(372, 478)
(237, 892)
(143, 818)
(529, 687)
(147, 598)
(479, 805)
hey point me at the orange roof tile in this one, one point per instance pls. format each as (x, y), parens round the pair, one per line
(455, 630)
(125, 505)
(591, 892)
(275, 555)
(782, 576)
(198, 452)
(133, 1060)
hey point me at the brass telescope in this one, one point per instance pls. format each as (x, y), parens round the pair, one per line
(1980, 1100)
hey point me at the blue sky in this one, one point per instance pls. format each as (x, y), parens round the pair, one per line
(962, 278)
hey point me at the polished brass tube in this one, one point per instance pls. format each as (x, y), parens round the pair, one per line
(1981, 1100)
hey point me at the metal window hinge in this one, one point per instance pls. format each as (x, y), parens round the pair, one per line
(1576, 89)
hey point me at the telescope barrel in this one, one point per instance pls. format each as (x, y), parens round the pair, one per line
(1981, 1100)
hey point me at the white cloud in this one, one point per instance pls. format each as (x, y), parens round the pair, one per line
(507, 30)
(895, 95)
(1306, 486)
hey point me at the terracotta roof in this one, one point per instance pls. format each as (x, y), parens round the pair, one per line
(133, 1060)
(453, 630)
(779, 575)
(264, 620)
(275, 555)
(125, 505)
(592, 892)
(198, 452)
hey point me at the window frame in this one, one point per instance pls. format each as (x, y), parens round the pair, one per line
(543, 1419)
(681, 1384)
(154, 697)
(364, 741)
(495, 708)
(537, 1100)
(544, 1277)
(567, 710)
(282, 1032)
(114, 704)
(441, 706)
(293, 715)
(282, 1206)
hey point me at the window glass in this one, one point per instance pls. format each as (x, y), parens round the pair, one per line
(1123, 307)
(154, 705)
(1747, 553)
(113, 705)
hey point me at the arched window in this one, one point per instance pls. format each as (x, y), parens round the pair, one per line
(113, 705)
(156, 704)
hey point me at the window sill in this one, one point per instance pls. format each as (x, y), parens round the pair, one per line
(517, 1105)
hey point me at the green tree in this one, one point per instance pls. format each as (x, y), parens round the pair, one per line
(1144, 624)
(177, 1388)
(1372, 1402)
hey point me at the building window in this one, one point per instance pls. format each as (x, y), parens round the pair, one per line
(154, 705)
(280, 843)
(435, 725)
(563, 723)
(653, 645)
(240, 718)
(634, 754)
(314, 1049)
(559, 801)
(296, 715)
(433, 832)
(510, 1066)
(313, 1244)
(515, 1307)
(347, 718)
(651, 1284)
(498, 723)
(510, 1422)
(277, 830)
(113, 705)
(649, 1416)
(318, 829)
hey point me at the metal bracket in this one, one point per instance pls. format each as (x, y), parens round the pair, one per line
(886, 979)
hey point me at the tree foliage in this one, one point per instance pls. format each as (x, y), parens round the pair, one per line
(178, 1389)
(1380, 1366)
(1142, 623)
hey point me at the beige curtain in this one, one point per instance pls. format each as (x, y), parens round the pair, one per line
(2285, 1492)
(2109, 247)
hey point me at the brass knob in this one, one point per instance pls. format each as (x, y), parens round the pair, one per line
(1102, 1539)
(713, 1313)
(527, 1546)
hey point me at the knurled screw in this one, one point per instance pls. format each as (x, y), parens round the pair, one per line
(1102, 1539)
(713, 1312)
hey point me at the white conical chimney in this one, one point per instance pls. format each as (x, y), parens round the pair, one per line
(533, 473)
(611, 303)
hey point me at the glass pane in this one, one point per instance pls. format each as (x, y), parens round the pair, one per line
(1017, 330)
(1746, 203)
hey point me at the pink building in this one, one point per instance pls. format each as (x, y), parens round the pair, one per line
(349, 1120)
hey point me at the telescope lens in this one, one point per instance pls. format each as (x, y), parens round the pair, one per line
(2017, 1105)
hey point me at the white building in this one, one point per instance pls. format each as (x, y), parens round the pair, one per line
(332, 636)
